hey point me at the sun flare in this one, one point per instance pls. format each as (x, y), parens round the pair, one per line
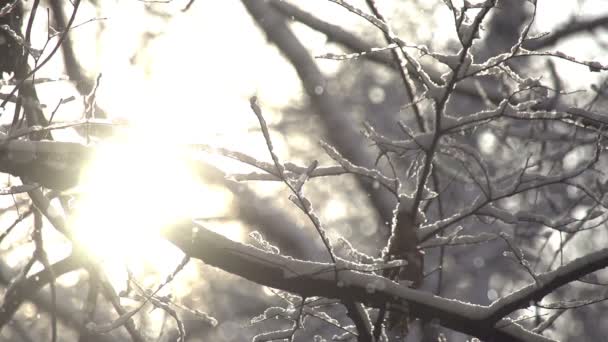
(133, 188)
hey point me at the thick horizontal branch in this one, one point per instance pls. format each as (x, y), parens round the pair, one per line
(58, 165)
(55, 165)
(548, 282)
(320, 279)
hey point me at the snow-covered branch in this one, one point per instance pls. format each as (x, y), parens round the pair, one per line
(308, 279)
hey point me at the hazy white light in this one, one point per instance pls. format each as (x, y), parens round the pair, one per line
(133, 189)
(234, 231)
(268, 291)
(572, 159)
(580, 212)
(487, 142)
(335, 209)
(376, 95)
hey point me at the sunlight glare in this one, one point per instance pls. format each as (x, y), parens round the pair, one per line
(134, 187)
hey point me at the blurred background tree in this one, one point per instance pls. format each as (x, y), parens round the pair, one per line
(416, 147)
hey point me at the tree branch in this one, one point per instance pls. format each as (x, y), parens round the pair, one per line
(317, 279)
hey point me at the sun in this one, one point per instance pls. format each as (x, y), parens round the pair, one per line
(134, 186)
